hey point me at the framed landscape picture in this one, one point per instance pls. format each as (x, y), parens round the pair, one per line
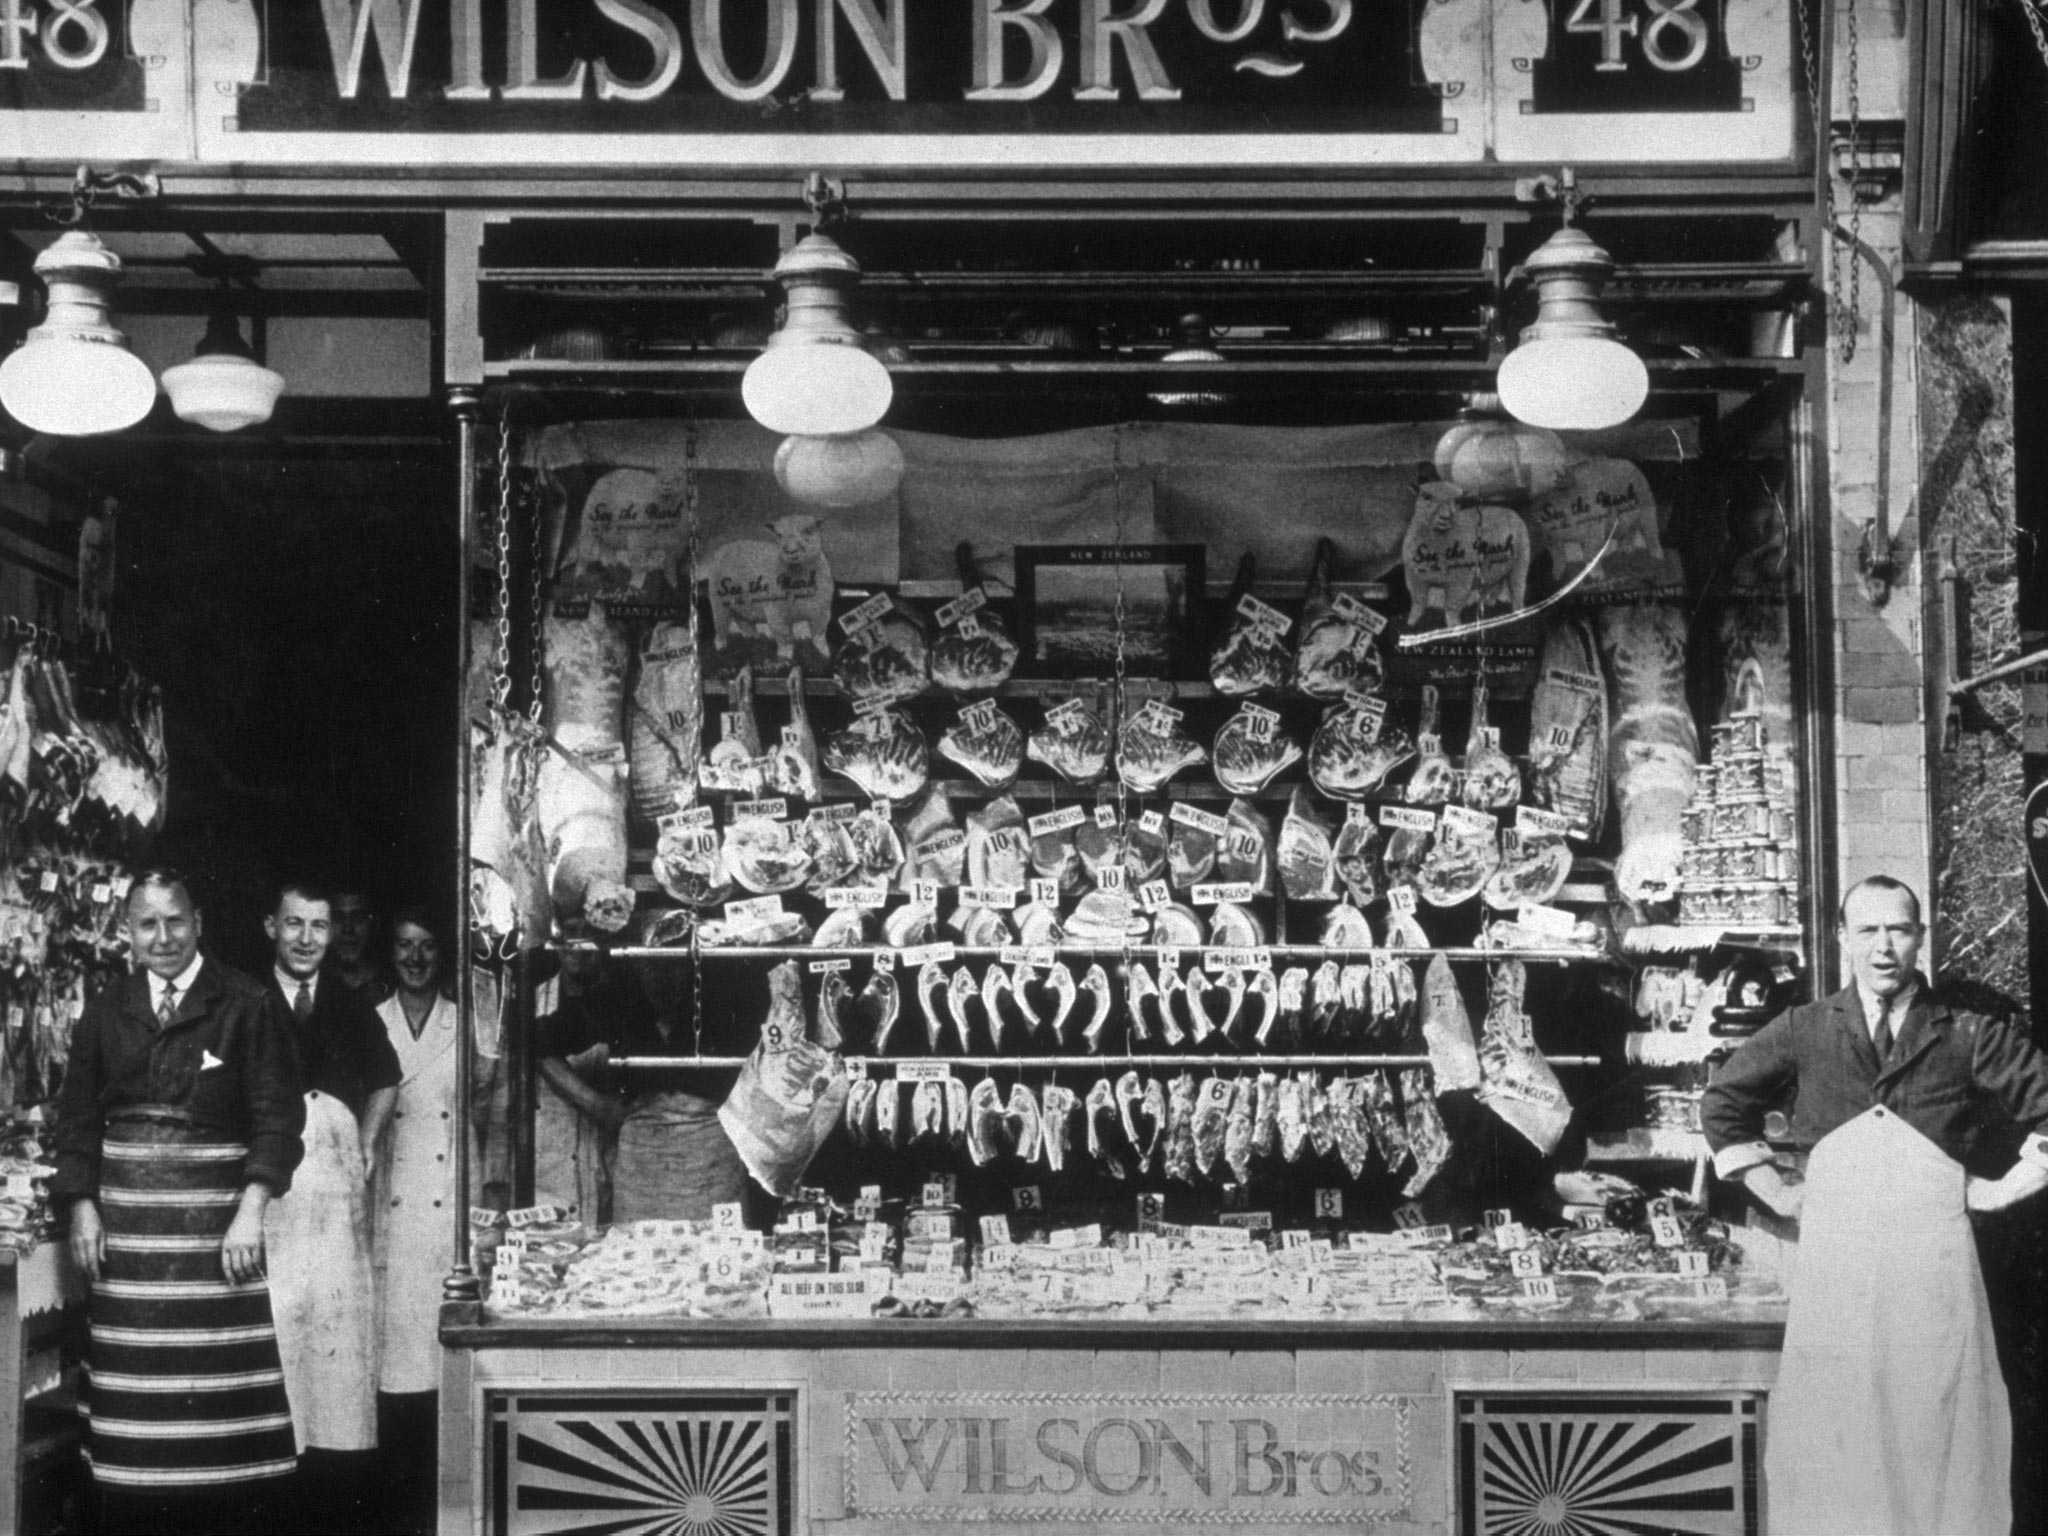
(1067, 609)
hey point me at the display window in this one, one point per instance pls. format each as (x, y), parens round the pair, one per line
(1198, 814)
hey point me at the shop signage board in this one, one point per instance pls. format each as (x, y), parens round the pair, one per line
(95, 80)
(1171, 85)
(1026, 1458)
(1642, 80)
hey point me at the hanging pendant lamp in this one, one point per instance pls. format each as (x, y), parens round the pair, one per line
(1489, 456)
(223, 388)
(73, 375)
(816, 378)
(846, 471)
(1568, 372)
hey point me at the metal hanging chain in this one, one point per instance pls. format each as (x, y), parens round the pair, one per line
(501, 661)
(533, 610)
(690, 529)
(1116, 483)
(2030, 10)
(690, 537)
(1848, 351)
(1842, 312)
(1123, 792)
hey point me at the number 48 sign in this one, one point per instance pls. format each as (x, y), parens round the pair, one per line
(71, 34)
(1670, 58)
(1670, 35)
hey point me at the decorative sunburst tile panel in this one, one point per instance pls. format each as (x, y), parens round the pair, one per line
(639, 1464)
(1611, 1464)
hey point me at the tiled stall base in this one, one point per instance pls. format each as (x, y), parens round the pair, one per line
(862, 1439)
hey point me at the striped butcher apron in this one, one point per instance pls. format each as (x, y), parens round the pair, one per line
(183, 1386)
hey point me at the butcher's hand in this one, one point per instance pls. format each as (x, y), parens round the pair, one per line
(241, 1251)
(2024, 1181)
(88, 1238)
(1774, 1191)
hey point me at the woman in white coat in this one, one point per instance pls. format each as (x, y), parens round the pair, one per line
(411, 1197)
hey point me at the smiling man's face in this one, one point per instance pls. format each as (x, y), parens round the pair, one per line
(300, 930)
(163, 929)
(1881, 935)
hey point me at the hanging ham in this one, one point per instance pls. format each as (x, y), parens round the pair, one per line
(1354, 750)
(973, 654)
(1492, 782)
(884, 753)
(1152, 748)
(1251, 750)
(1074, 742)
(665, 728)
(1253, 655)
(1308, 860)
(1568, 730)
(986, 742)
(1337, 653)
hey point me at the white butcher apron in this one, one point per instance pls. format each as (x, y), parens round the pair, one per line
(1889, 1415)
(317, 1250)
(415, 1192)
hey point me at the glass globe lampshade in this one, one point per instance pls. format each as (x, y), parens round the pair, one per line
(1569, 373)
(73, 375)
(1491, 457)
(223, 388)
(816, 377)
(848, 471)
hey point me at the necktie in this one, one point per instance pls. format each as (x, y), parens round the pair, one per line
(168, 1006)
(1881, 1037)
(302, 1005)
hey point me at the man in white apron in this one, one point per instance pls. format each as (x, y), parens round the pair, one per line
(318, 1236)
(1889, 1415)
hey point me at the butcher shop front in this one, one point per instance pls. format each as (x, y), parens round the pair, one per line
(1147, 691)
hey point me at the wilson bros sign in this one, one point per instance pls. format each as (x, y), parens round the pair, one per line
(846, 65)
(1004, 1457)
(531, 81)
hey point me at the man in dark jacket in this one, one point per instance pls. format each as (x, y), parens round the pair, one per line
(356, 957)
(178, 1123)
(1889, 1414)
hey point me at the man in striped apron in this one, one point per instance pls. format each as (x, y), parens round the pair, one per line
(179, 1120)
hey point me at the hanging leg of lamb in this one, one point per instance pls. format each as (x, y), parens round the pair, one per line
(1518, 1084)
(1447, 1030)
(1653, 745)
(794, 767)
(582, 781)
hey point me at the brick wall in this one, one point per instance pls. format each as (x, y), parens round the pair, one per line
(1881, 806)
(1881, 803)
